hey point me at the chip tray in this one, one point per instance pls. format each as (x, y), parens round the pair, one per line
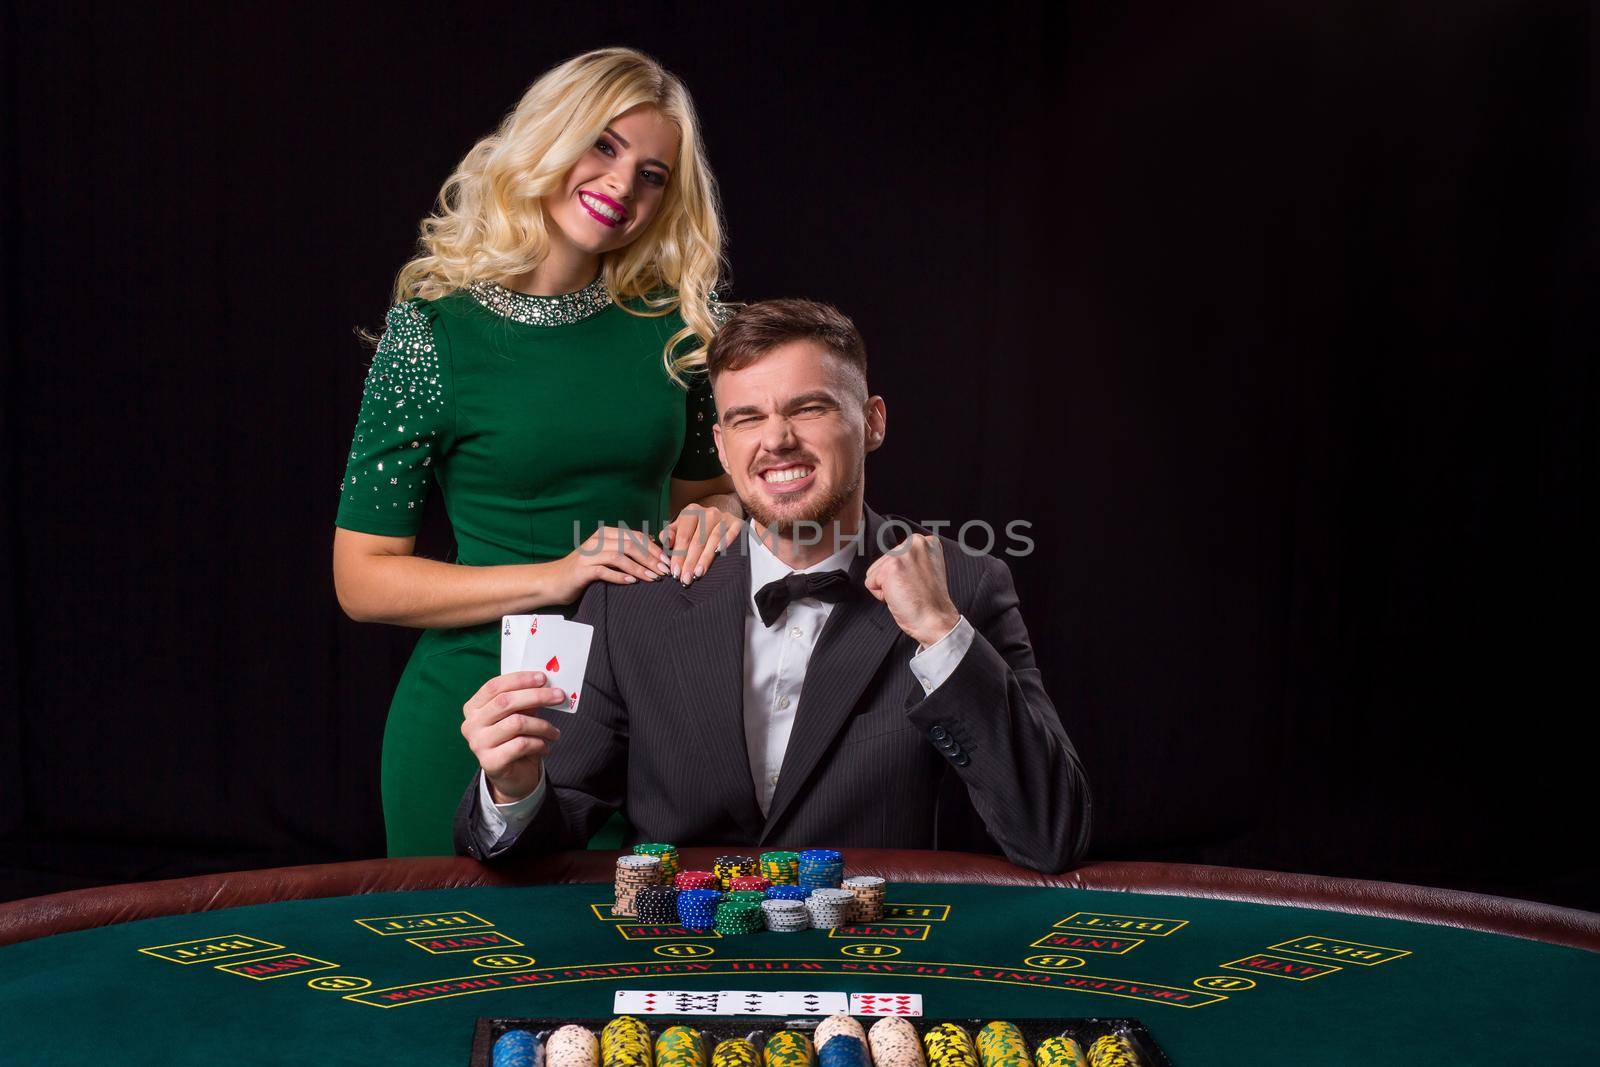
(721, 1027)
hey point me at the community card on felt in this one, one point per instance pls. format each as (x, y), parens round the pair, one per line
(778, 1002)
(560, 649)
(885, 1003)
(664, 1002)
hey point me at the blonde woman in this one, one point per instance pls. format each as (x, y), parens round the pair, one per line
(543, 363)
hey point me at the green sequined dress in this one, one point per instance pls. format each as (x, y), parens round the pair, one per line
(539, 418)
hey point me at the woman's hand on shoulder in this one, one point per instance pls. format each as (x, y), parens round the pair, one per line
(612, 554)
(696, 536)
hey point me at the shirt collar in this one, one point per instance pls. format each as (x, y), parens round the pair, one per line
(765, 567)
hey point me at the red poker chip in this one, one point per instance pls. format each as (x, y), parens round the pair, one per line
(695, 880)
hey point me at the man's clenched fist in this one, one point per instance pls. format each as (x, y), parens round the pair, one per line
(910, 578)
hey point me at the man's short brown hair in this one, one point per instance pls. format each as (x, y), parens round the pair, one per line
(760, 327)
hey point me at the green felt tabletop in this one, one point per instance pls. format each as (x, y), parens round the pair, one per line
(401, 977)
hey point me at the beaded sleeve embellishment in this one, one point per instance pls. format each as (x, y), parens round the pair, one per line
(402, 389)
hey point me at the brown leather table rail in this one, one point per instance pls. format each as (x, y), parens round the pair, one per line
(82, 909)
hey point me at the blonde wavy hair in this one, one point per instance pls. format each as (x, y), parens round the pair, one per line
(488, 224)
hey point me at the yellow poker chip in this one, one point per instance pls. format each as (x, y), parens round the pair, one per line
(680, 1046)
(1001, 1044)
(625, 1042)
(1112, 1050)
(1061, 1052)
(788, 1048)
(734, 1052)
(949, 1046)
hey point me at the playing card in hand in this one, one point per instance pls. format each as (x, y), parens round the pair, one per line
(560, 649)
(514, 633)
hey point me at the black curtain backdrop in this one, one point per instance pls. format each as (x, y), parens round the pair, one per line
(1273, 320)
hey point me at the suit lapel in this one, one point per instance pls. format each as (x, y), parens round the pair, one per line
(709, 657)
(855, 639)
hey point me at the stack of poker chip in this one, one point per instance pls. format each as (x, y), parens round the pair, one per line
(1112, 1050)
(633, 874)
(949, 1046)
(1001, 1044)
(680, 1046)
(697, 908)
(746, 896)
(787, 892)
(656, 905)
(835, 1027)
(821, 868)
(740, 917)
(734, 1052)
(893, 1042)
(751, 881)
(869, 890)
(781, 868)
(695, 880)
(829, 907)
(1061, 1052)
(727, 868)
(843, 1051)
(515, 1048)
(668, 855)
(625, 1042)
(571, 1046)
(786, 916)
(788, 1048)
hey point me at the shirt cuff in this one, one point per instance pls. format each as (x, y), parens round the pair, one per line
(932, 665)
(501, 822)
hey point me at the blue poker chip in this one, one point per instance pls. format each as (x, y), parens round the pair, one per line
(787, 892)
(516, 1048)
(821, 867)
(697, 908)
(842, 1050)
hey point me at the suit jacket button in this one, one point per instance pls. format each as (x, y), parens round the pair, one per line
(962, 759)
(938, 733)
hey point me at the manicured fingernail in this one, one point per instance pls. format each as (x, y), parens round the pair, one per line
(631, 578)
(663, 568)
(558, 694)
(698, 571)
(674, 571)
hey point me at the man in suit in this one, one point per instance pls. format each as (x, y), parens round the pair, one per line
(836, 677)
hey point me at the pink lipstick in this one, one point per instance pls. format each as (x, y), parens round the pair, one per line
(603, 209)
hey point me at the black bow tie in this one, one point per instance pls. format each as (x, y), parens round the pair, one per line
(772, 598)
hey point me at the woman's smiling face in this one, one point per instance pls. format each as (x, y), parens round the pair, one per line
(615, 189)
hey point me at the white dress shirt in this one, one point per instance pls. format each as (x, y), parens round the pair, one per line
(775, 661)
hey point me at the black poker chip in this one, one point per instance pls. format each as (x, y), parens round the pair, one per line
(657, 905)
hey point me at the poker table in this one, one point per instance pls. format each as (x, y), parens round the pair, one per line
(394, 961)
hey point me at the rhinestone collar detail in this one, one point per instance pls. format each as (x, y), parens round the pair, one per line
(562, 310)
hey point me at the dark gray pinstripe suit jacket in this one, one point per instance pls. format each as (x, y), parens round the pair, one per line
(872, 761)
